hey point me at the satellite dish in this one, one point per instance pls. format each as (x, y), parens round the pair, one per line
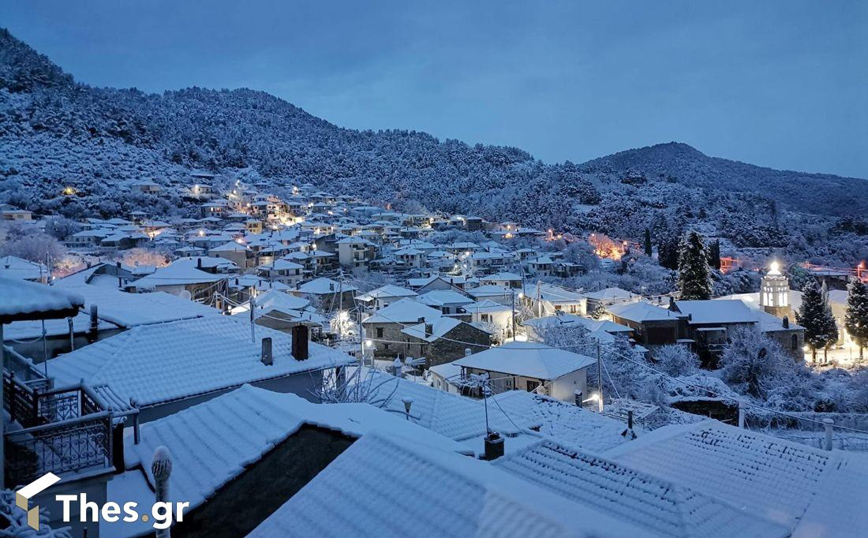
(186, 295)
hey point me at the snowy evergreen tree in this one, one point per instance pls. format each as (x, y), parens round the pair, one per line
(599, 311)
(856, 319)
(694, 277)
(649, 249)
(815, 315)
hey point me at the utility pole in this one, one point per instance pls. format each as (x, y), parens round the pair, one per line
(599, 378)
(252, 318)
(538, 300)
(513, 315)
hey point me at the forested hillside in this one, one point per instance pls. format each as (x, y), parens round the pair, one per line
(56, 133)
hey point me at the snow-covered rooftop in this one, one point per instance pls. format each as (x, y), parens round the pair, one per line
(439, 298)
(528, 359)
(405, 311)
(390, 488)
(168, 361)
(763, 475)
(565, 422)
(213, 442)
(387, 291)
(132, 309)
(716, 312)
(453, 416)
(641, 312)
(629, 495)
(22, 300)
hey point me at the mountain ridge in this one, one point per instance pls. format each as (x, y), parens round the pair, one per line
(58, 132)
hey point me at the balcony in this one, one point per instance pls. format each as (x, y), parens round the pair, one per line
(67, 430)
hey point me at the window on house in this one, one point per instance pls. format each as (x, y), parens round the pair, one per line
(532, 385)
(379, 332)
(795, 340)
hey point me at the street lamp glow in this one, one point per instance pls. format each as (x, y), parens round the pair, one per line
(369, 343)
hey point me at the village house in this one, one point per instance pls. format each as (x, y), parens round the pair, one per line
(327, 295)
(383, 296)
(546, 299)
(531, 366)
(167, 367)
(355, 251)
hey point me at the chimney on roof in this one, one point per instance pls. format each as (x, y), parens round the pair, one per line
(467, 352)
(429, 329)
(331, 286)
(493, 446)
(267, 357)
(786, 322)
(300, 342)
(94, 323)
(198, 263)
(672, 304)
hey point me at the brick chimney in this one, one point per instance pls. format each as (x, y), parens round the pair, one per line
(267, 357)
(300, 342)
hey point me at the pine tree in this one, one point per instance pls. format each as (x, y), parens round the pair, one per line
(815, 315)
(649, 249)
(856, 318)
(694, 276)
(714, 255)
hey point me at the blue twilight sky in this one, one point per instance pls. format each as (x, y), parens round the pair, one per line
(777, 83)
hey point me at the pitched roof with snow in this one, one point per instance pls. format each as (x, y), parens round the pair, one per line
(661, 507)
(528, 359)
(212, 443)
(404, 311)
(641, 312)
(611, 294)
(324, 286)
(389, 488)
(453, 416)
(443, 298)
(716, 312)
(132, 309)
(563, 421)
(14, 267)
(159, 363)
(389, 290)
(555, 294)
(180, 273)
(23, 300)
(440, 327)
(757, 473)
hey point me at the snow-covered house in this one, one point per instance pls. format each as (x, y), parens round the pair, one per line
(355, 251)
(239, 254)
(651, 325)
(531, 366)
(191, 278)
(449, 302)
(384, 296)
(167, 367)
(410, 328)
(507, 280)
(282, 270)
(546, 299)
(608, 297)
(327, 295)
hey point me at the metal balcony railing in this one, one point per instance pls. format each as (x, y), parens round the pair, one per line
(61, 431)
